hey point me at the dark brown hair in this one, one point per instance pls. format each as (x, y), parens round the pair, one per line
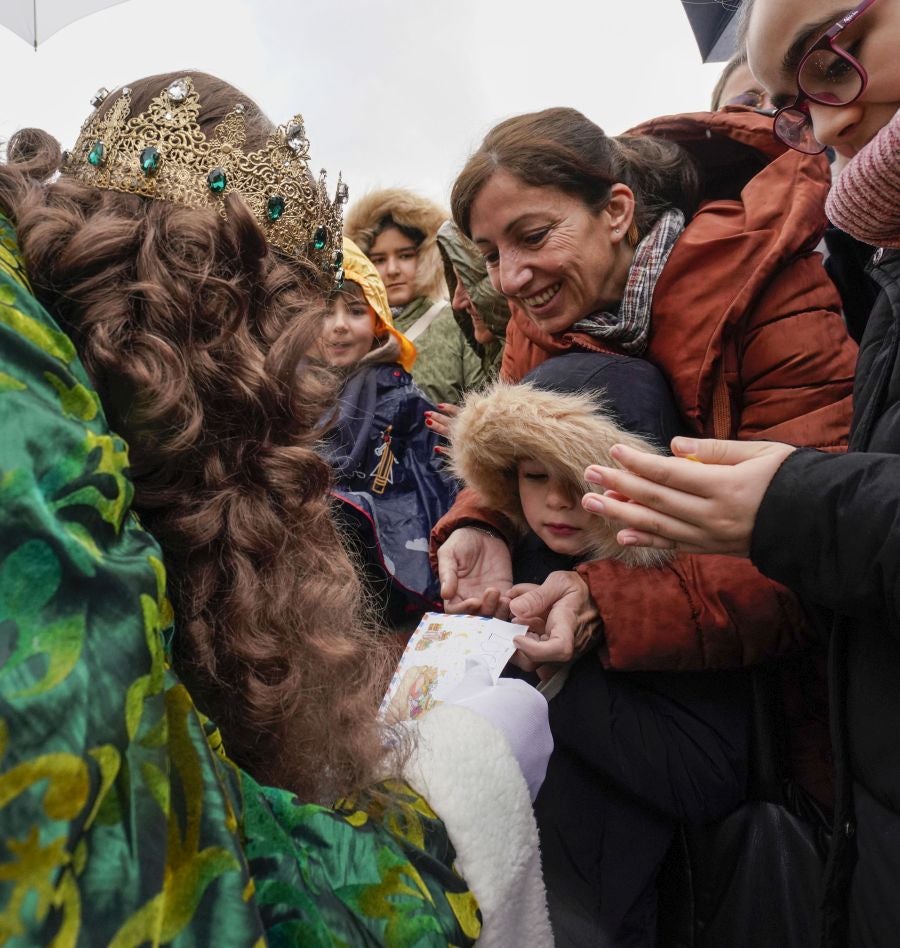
(192, 330)
(561, 148)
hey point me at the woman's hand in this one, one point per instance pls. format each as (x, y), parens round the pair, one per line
(475, 570)
(562, 620)
(676, 503)
(439, 421)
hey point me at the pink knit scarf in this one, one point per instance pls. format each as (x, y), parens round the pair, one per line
(865, 199)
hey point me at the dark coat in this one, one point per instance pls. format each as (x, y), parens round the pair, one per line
(382, 416)
(635, 753)
(843, 553)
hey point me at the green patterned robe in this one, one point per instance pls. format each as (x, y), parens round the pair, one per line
(121, 820)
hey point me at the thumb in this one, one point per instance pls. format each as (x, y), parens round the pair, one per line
(526, 603)
(527, 600)
(448, 574)
(714, 451)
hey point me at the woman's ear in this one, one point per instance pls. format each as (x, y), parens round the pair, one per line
(620, 211)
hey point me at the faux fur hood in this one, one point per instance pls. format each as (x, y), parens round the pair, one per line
(567, 432)
(363, 223)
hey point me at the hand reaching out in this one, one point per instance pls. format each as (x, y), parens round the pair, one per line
(475, 570)
(439, 420)
(562, 619)
(677, 503)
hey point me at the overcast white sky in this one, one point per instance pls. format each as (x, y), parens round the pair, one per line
(394, 92)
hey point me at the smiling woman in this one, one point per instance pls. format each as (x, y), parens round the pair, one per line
(600, 243)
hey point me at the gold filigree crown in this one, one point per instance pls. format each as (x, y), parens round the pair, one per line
(163, 154)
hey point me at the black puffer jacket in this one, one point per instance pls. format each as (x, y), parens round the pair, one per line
(844, 554)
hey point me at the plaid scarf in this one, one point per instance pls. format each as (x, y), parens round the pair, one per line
(628, 327)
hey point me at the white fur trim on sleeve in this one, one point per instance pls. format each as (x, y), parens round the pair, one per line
(464, 768)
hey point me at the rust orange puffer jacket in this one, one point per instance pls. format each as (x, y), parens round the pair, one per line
(746, 326)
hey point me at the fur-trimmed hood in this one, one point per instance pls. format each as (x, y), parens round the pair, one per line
(364, 221)
(567, 432)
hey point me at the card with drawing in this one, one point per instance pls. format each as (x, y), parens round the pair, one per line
(435, 659)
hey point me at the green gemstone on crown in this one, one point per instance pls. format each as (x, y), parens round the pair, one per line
(217, 180)
(337, 260)
(275, 207)
(320, 238)
(150, 158)
(97, 154)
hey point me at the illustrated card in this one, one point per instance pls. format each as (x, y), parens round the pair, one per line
(435, 659)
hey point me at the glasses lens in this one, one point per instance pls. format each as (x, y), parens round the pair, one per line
(794, 128)
(829, 78)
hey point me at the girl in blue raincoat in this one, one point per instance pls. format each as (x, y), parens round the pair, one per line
(391, 485)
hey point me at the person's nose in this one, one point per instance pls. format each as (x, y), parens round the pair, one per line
(460, 296)
(513, 275)
(558, 498)
(833, 125)
(392, 265)
(338, 323)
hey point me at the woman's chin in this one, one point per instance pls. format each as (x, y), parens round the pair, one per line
(552, 323)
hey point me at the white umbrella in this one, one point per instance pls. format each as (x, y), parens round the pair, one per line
(36, 20)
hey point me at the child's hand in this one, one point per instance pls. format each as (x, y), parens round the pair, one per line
(439, 421)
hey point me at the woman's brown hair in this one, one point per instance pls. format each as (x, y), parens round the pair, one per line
(561, 148)
(192, 330)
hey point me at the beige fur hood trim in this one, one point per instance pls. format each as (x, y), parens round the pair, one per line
(361, 225)
(508, 423)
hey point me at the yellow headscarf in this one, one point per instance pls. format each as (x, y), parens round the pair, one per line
(360, 270)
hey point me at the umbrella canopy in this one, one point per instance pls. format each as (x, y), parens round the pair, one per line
(36, 20)
(715, 27)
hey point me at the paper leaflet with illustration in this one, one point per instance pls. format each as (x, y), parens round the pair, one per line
(435, 659)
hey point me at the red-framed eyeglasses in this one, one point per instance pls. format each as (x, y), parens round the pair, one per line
(827, 75)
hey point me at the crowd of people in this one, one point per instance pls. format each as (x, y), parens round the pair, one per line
(635, 393)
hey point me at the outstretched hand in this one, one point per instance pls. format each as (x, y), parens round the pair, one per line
(562, 620)
(677, 503)
(475, 570)
(439, 420)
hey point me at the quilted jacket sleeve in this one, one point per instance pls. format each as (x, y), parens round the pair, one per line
(796, 363)
(697, 612)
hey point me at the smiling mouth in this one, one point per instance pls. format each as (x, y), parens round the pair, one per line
(542, 298)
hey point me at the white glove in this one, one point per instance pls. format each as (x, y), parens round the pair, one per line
(515, 709)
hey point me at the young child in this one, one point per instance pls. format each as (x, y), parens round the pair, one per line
(390, 482)
(635, 753)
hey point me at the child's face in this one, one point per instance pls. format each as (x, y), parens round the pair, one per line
(349, 331)
(551, 510)
(396, 258)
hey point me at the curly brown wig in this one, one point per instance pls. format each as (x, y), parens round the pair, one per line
(192, 330)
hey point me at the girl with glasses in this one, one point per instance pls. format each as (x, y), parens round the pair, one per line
(827, 526)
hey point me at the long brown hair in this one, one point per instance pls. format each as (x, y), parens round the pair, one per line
(192, 330)
(563, 149)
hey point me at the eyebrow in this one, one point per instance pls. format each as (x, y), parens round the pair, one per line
(795, 52)
(511, 226)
